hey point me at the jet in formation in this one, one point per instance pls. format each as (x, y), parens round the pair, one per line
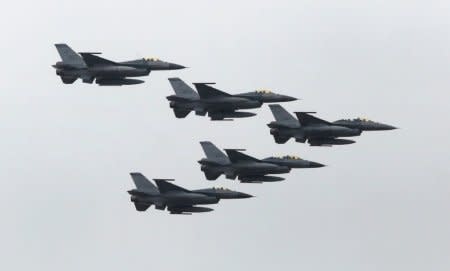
(316, 131)
(176, 199)
(217, 104)
(247, 168)
(90, 67)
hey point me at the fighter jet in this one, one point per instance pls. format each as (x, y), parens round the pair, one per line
(217, 104)
(316, 131)
(176, 199)
(246, 168)
(90, 67)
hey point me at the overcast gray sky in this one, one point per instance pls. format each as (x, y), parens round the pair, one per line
(66, 150)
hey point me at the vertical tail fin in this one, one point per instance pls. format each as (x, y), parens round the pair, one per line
(182, 89)
(69, 57)
(143, 184)
(283, 117)
(213, 153)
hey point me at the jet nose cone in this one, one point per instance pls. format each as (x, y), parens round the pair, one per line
(383, 127)
(390, 127)
(173, 66)
(315, 165)
(286, 98)
(244, 195)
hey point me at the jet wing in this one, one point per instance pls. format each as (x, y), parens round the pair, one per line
(207, 92)
(164, 186)
(307, 119)
(236, 156)
(93, 60)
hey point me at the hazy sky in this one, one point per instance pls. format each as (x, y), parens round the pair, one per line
(66, 150)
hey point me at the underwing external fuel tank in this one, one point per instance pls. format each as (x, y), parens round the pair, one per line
(117, 82)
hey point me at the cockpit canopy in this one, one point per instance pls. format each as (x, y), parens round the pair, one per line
(360, 119)
(221, 188)
(291, 157)
(151, 59)
(363, 119)
(263, 91)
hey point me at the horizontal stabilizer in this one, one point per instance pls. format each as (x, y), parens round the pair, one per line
(181, 113)
(87, 78)
(68, 79)
(281, 139)
(93, 60)
(141, 207)
(211, 174)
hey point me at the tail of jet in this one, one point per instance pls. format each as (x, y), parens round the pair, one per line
(182, 89)
(143, 184)
(214, 154)
(69, 56)
(283, 117)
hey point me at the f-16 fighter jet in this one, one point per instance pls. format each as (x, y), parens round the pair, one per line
(316, 131)
(176, 199)
(90, 67)
(246, 168)
(217, 104)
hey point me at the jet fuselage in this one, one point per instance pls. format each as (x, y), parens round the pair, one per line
(176, 198)
(244, 168)
(364, 125)
(315, 131)
(117, 71)
(293, 163)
